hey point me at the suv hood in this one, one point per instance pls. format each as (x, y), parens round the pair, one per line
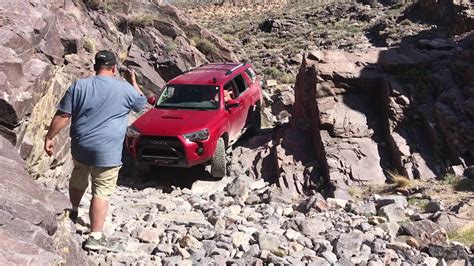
(171, 122)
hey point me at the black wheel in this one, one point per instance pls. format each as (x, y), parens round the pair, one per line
(256, 120)
(141, 169)
(218, 161)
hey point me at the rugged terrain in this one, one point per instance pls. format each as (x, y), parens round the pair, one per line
(366, 158)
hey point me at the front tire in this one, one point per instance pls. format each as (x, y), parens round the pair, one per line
(218, 161)
(142, 169)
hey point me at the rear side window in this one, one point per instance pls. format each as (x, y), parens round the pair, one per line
(240, 82)
(251, 74)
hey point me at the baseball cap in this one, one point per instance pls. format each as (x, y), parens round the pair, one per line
(105, 58)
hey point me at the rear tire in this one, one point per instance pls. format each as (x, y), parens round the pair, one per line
(218, 161)
(256, 121)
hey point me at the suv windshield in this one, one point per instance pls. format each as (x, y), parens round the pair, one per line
(200, 97)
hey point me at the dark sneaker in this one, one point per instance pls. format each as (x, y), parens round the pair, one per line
(98, 244)
(73, 216)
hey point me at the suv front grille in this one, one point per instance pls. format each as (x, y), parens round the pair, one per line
(161, 150)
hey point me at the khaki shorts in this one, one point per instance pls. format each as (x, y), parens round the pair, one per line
(104, 179)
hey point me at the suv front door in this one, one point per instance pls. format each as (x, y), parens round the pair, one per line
(239, 117)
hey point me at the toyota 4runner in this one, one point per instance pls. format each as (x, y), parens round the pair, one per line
(196, 117)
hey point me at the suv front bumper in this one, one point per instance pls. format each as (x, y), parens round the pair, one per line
(170, 151)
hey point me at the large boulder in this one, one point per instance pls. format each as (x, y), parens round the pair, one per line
(371, 111)
(31, 230)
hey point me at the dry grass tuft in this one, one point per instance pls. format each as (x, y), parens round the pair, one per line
(399, 180)
(465, 236)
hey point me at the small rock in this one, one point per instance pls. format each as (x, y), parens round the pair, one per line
(253, 199)
(150, 235)
(377, 220)
(392, 199)
(253, 251)
(434, 206)
(165, 248)
(224, 245)
(296, 247)
(197, 254)
(394, 212)
(271, 83)
(348, 245)
(171, 261)
(277, 260)
(430, 261)
(378, 245)
(398, 246)
(239, 187)
(268, 242)
(280, 251)
(208, 234)
(315, 202)
(426, 232)
(195, 232)
(183, 253)
(391, 228)
(219, 226)
(240, 239)
(235, 209)
(221, 252)
(411, 241)
(257, 184)
(188, 241)
(316, 55)
(340, 203)
(319, 261)
(329, 256)
(365, 209)
(209, 246)
(287, 211)
(292, 234)
(421, 216)
(364, 227)
(313, 227)
(456, 262)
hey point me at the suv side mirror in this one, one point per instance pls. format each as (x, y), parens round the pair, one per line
(151, 100)
(232, 104)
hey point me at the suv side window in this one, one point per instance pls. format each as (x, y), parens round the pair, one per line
(241, 84)
(251, 74)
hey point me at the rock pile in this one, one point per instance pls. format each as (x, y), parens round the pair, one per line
(243, 224)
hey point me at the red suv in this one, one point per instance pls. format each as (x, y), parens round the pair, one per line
(196, 117)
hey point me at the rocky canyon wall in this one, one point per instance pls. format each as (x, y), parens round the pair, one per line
(46, 45)
(406, 110)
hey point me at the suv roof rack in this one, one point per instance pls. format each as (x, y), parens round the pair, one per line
(233, 69)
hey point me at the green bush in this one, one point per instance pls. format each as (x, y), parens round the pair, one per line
(287, 78)
(170, 46)
(204, 46)
(143, 20)
(273, 72)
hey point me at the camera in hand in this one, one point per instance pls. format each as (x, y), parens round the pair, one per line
(123, 69)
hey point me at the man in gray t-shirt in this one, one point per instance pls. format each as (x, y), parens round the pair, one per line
(97, 107)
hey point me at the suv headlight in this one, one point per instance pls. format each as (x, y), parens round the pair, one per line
(197, 135)
(132, 132)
